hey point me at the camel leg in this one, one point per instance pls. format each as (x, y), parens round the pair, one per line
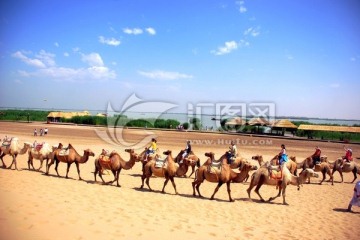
(216, 189)
(198, 189)
(117, 178)
(2, 160)
(229, 192)
(41, 164)
(56, 167)
(95, 173)
(279, 194)
(192, 170)
(114, 173)
(142, 180)
(165, 183)
(100, 175)
(67, 169)
(331, 177)
(251, 186)
(78, 169)
(258, 186)
(148, 182)
(324, 176)
(284, 195)
(354, 172)
(49, 165)
(174, 185)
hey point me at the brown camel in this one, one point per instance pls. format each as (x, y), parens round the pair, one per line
(115, 163)
(13, 149)
(41, 152)
(225, 175)
(70, 157)
(263, 176)
(291, 165)
(346, 168)
(192, 160)
(168, 172)
(324, 167)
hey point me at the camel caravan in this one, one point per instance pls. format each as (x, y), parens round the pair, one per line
(228, 168)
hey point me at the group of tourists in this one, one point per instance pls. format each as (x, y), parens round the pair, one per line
(42, 131)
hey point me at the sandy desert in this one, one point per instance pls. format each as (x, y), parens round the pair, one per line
(38, 206)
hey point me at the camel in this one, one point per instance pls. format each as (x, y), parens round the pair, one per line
(192, 161)
(13, 150)
(291, 165)
(71, 157)
(262, 176)
(115, 163)
(346, 168)
(42, 152)
(168, 172)
(324, 167)
(225, 175)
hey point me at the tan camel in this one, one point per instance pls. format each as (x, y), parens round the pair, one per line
(346, 168)
(291, 165)
(324, 167)
(142, 157)
(71, 157)
(263, 176)
(41, 152)
(192, 161)
(115, 164)
(13, 150)
(224, 175)
(168, 172)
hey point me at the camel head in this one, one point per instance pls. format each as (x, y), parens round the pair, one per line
(305, 174)
(257, 157)
(89, 152)
(60, 146)
(210, 155)
(168, 152)
(293, 158)
(245, 165)
(323, 158)
(132, 153)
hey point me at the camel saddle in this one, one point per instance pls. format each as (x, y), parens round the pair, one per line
(214, 166)
(160, 162)
(64, 152)
(6, 143)
(38, 146)
(274, 174)
(104, 161)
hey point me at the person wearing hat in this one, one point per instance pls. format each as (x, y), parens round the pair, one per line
(151, 149)
(316, 156)
(187, 151)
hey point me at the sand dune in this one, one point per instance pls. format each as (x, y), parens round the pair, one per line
(36, 206)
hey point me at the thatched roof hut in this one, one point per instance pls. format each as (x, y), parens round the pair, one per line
(258, 122)
(348, 129)
(236, 121)
(56, 116)
(283, 123)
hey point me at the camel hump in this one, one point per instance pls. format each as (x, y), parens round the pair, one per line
(64, 152)
(160, 162)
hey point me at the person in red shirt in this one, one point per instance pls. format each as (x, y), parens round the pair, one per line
(348, 156)
(316, 155)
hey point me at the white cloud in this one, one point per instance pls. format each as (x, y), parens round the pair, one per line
(334, 85)
(134, 31)
(56, 44)
(242, 8)
(45, 62)
(66, 54)
(32, 62)
(93, 59)
(46, 57)
(163, 75)
(252, 31)
(151, 31)
(229, 47)
(109, 41)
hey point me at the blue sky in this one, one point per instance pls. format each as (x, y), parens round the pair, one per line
(303, 56)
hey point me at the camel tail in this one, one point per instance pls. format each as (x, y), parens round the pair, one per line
(196, 174)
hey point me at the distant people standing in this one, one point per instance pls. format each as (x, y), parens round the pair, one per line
(35, 132)
(41, 131)
(46, 131)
